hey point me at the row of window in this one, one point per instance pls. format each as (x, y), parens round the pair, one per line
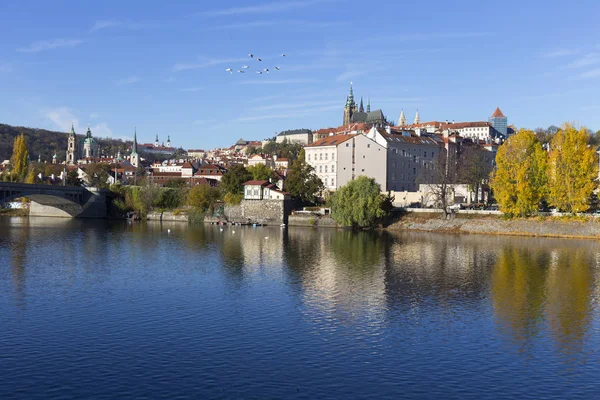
(321, 156)
(405, 153)
(321, 169)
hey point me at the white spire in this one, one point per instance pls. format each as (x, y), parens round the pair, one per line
(402, 120)
(417, 119)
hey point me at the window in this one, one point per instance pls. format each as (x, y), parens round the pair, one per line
(320, 156)
(326, 156)
(393, 177)
(326, 169)
(320, 169)
(347, 144)
(363, 170)
(333, 156)
(394, 164)
(308, 156)
(363, 156)
(333, 168)
(368, 146)
(414, 171)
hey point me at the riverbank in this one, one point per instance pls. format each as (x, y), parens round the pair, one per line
(563, 227)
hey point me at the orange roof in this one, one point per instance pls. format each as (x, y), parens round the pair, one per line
(259, 183)
(497, 113)
(331, 140)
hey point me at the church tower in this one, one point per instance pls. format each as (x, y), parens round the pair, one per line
(135, 158)
(156, 142)
(417, 119)
(402, 120)
(72, 151)
(349, 108)
(169, 141)
(361, 108)
(369, 105)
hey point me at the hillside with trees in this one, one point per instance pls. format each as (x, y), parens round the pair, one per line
(45, 143)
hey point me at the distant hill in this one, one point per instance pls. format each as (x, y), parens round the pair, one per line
(45, 143)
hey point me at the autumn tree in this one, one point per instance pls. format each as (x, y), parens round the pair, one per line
(572, 170)
(20, 157)
(202, 197)
(359, 203)
(302, 182)
(519, 180)
(97, 175)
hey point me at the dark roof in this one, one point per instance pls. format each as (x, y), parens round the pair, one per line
(260, 183)
(294, 132)
(241, 142)
(399, 137)
(373, 116)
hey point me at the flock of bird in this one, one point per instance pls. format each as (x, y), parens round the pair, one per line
(243, 69)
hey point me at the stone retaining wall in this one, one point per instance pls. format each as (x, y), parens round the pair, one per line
(267, 212)
(311, 220)
(521, 227)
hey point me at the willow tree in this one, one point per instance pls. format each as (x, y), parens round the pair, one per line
(519, 180)
(358, 203)
(20, 157)
(572, 170)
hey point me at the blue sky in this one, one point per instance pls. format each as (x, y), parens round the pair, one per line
(160, 66)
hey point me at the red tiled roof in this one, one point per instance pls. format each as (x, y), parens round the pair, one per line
(460, 125)
(359, 126)
(497, 113)
(258, 183)
(331, 140)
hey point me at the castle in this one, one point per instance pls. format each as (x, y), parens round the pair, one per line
(354, 113)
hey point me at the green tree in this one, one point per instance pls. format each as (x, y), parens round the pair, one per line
(73, 179)
(358, 204)
(302, 182)
(202, 197)
(20, 157)
(260, 172)
(234, 179)
(97, 175)
(519, 180)
(572, 170)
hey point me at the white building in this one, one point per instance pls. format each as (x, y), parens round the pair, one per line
(302, 136)
(263, 190)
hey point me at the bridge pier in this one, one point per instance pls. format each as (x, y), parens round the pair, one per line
(40, 210)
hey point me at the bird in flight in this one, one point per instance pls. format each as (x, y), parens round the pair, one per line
(245, 67)
(259, 59)
(277, 68)
(240, 71)
(283, 55)
(229, 70)
(266, 70)
(259, 72)
(251, 55)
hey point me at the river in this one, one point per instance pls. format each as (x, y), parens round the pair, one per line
(99, 309)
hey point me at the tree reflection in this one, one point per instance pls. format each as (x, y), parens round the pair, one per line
(358, 250)
(517, 285)
(569, 286)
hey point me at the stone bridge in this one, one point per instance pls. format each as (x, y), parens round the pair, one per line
(58, 201)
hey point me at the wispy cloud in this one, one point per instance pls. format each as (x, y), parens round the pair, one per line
(94, 115)
(117, 23)
(63, 117)
(348, 75)
(294, 106)
(265, 8)
(206, 63)
(294, 114)
(277, 82)
(190, 89)
(585, 61)
(593, 73)
(44, 45)
(128, 81)
(559, 53)
(204, 121)
(279, 22)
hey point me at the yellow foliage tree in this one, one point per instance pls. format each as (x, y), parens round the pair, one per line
(572, 170)
(20, 157)
(30, 178)
(519, 180)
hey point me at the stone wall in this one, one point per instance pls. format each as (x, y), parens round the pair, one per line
(267, 212)
(312, 220)
(550, 227)
(167, 216)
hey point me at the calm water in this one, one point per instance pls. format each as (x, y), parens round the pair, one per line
(109, 310)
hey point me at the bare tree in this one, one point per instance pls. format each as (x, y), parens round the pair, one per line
(475, 166)
(440, 180)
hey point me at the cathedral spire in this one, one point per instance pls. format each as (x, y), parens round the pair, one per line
(369, 104)
(361, 108)
(417, 119)
(402, 120)
(134, 147)
(72, 130)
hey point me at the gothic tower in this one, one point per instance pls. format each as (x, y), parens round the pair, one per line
(349, 108)
(72, 152)
(135, 158)
(361, 108)
(156, 142)
(169, 141)
(402, 120)
(417, 119)
(369, 105)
